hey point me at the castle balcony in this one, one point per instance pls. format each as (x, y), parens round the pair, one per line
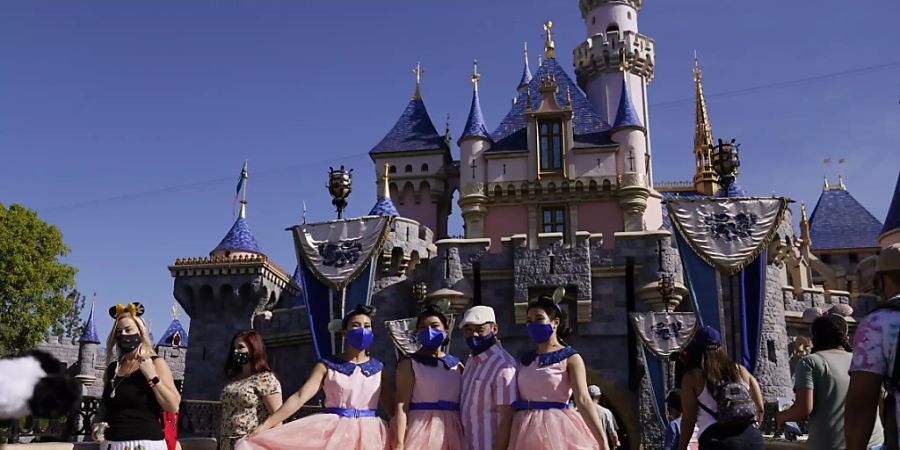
(614, 51)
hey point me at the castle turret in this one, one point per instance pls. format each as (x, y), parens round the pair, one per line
(474, 141)
(630, 134)
(421, 166)
(526, 74)
(88, 349)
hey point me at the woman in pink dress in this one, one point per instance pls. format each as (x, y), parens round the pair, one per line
(428, 387)
(353, 385)
(546, 377)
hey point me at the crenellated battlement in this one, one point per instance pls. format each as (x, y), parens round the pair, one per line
(408, 244)
(614, 51)
(586, 6)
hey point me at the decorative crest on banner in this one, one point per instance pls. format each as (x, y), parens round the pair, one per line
(727, 233)
(664, 333)
(338, 251)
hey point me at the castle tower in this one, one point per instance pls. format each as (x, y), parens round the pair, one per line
(173, 347)
(474, 141)
(630, 134)
(88, 349)
(614, 47)
(224, 293)
(704, 176)
(421, 166)
(526, 74)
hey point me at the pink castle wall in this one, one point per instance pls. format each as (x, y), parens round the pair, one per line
(601, 217)
(424, 211)
(516, 169)
(505, 221)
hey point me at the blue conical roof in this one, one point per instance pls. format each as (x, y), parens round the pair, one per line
(892, 221)
(239, 238)
(174, 327)
(475, 123)
(626, 116)
(840, 222)
(384, 207)
(526, 74)
(413, 131)
(89, 334)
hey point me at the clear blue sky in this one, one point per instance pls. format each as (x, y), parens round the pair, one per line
(126, 123)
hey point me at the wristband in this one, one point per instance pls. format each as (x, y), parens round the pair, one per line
(153, 382)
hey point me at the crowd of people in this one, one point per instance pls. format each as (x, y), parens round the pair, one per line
(495, 401)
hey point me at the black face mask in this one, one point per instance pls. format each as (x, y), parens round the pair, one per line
(240, 358)
(128, 342)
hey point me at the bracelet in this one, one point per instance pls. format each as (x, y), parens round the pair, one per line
(153, 382)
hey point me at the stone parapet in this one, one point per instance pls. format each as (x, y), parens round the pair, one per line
(614, 51)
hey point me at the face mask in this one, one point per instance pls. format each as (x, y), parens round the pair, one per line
(540, 332)
(479, 344)
(240, 358)
(360, 338)
(128, 342)
(431, 338)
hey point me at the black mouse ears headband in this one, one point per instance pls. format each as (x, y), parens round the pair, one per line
(136, 309)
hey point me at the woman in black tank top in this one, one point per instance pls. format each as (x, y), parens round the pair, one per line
(138, 387)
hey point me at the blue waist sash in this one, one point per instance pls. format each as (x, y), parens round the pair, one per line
(351, 413)
(522, 405)
(439, 405)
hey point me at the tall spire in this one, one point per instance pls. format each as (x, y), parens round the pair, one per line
(549, 46)
(386, 190)
(804, 224)
(704, 177)
(526, 72)
(475, 127)
(89, 334)
(383, 205)
(418, 73)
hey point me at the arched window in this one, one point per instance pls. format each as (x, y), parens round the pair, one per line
(424, 167)
(498, 191)
(408, 168)
(393, 169)
(612, 28)
(550, 146)
(607, 186)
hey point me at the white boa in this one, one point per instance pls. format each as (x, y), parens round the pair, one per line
(18, 377)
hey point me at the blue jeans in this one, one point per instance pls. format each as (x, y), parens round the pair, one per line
(718, 437)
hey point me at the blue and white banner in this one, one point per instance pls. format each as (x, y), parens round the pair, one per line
(664, 333)
(727, 233)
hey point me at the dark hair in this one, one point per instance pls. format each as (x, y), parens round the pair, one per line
(673, 400)
(364, 310)
(553, 311)
(433, 311)
(258, 356)
(716, 365)
(828, 332)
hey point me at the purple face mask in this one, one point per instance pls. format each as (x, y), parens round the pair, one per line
(431, 338)
(540, 332)
(360, 338)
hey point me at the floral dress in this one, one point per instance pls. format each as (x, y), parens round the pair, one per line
(243, 408)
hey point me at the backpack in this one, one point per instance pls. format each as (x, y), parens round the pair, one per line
(734, 404)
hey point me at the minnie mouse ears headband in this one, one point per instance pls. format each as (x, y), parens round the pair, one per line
(136, 309)
(557, 296)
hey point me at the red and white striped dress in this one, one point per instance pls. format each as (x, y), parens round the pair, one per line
(488, 381)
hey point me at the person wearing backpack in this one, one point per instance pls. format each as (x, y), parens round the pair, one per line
(722, 398)
(820, 386)
(875, 362)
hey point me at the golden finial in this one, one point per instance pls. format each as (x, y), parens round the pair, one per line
(804, 223)
(826, 184)
(418, 72)
(841, 183)
(549, 46)
(243, 213)
(697, 73)
(385, 178)
(475, 75)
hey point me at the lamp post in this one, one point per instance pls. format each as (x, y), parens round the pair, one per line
(420, 291)
(666, 286)
(725, 162)
(339, 186)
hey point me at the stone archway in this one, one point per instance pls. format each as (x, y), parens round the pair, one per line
(617, 398)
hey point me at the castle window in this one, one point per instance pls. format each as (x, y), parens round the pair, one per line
(854, 258)
(553, 219)
(612, 28)
(550, 145)
(393, 169)
(408, 168)
(424, 167)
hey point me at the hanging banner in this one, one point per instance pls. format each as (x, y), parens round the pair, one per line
(664, 333)
(337, 252)
(727, 233)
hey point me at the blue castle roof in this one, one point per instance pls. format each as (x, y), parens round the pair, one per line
(384, 207)
(840, 222)
(590, 128)
(526, 74)
(475, 123)
(174, 327)
(892, 221)
(89, 334)
(413, 131)
(626, 116)
(239, 238)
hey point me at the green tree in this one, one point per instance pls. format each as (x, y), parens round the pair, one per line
(71, 324)
(33, 279)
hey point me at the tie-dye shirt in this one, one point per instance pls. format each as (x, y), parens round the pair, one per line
(875, 347)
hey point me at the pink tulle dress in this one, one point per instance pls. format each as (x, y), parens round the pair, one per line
(543, 421)
(351, 396)
(433, 421)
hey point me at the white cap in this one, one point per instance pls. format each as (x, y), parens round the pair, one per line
(594, 390)
(478, 315)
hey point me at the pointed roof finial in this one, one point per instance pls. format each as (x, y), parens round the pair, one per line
(804, 224)
(841, 183)
(528, 99)
(825, 187)
(418, 72)
(475, 75)
(176, 312)
(568, 97)
(526, 72)
(549, 46)
(386, 191)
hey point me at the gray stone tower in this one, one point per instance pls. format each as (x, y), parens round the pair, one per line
(88, 361)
